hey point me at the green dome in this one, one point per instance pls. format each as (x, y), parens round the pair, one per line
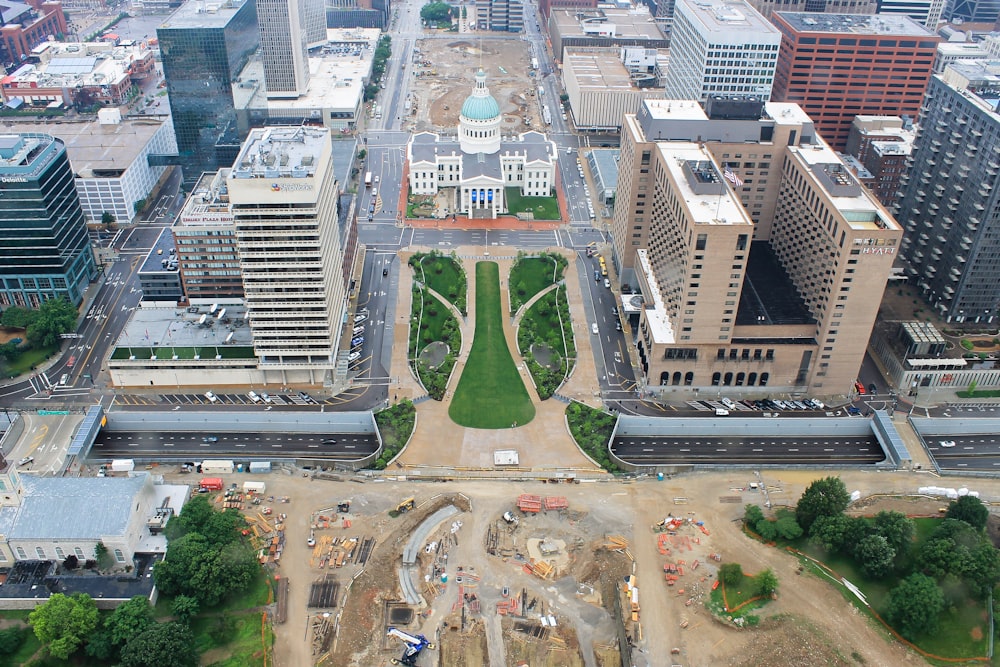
(480, 108)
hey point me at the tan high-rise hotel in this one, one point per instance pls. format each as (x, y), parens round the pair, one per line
(760, 259)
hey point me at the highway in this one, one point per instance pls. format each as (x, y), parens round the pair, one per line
(766, 450)
(194, 446)
(971, 452)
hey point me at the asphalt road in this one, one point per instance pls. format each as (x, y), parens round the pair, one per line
(152, 444)
(971, 452)
(756, 450)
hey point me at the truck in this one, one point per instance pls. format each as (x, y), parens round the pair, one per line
(368, 179)
(534, 63)
(211, 483)
(254, 487)
(122, 465)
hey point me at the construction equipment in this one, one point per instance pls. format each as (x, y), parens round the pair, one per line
(415, 644)
(406, 505)
(510, 518)
(344, 507)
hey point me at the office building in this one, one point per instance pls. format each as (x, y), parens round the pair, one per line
(204, 47)
(882, 146)
(722, 47)
(546, 7)
(754, 250)
(159, 276)
(925, 12)
(604, 27)
(283, 48)
(952, 52)
(110, 159)
(315, 22)
(205, 239)
(500, 15)
(601, 88)
(44, 249)
(840, 66)
(972, 11)
(284, 199)
(950, 195)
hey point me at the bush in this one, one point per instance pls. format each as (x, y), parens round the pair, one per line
(731, 574)
(592, 429)
(395, 424)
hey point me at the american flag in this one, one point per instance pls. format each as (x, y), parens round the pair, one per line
(732, 178)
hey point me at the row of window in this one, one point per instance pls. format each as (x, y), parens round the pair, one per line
(728, 379)
(60, 554)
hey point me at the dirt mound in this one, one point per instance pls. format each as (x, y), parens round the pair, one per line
(790, 640)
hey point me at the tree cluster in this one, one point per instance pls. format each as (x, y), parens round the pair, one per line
(957, 560)
(395, 424)
(591, 428)
(206, 557)
(45, 324)
(436, 12)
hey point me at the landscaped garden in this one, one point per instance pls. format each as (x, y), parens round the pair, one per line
(435, 341)
(545, 339)
(530, 275)
(395, 424)
(207, 352)
(420, 206)
(738, 594)
(591, 429)
(541, 208)
(490, 393)
(444, 275)
(927, 579)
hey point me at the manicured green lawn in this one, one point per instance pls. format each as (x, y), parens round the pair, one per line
(544, 208)
(444, 275)
(225, 351)
(30, 358)
(529, 276)
(490, 393)
(548, 321)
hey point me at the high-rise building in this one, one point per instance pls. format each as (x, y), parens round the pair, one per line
(723, 47)
(205, 240)
(754, 249)
(838, 66)
(925, 12)
(315, 23)
(951, 195)
(284, 197)
(203, 50)
(44, 248)
(973, 11)
(500, 15)
(283, 48)
(766, 7)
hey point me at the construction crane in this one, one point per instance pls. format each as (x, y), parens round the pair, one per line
(415, 644)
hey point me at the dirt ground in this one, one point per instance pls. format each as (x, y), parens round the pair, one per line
(810, 623)
(438, 97)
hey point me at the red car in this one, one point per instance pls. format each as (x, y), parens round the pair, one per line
(860, 387)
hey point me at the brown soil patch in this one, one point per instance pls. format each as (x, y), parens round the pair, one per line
(8, 334)
(790, 640)
(976, 633)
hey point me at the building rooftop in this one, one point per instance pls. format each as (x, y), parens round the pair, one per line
(701, 185)
(601, 70)
(97, 150)
(425, 146)
(180, 327)
(208, 204)
(281, 152)
(857, 24)
(769, 296)
(892, 147)
(67, 65)
(202, 15)
(25, 155)
(11, 11)
(607, 22)
(726, 18)
(675, 110)
(76, 508)
(163, 255)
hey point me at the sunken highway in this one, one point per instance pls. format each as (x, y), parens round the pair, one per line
(757, 450)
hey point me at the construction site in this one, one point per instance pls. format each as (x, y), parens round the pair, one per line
(444, 74)
(543, 575)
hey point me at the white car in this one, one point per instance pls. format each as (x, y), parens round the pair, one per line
(947, 443)
(212, 398)
(353, 356)
(607, 283)
(593, 328)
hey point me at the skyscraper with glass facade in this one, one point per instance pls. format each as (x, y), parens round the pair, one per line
(44, 249)
(204, 47)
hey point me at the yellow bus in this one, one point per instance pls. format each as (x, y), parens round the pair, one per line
(604, 267)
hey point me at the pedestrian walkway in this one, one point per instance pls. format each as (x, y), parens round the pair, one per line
(542, 444)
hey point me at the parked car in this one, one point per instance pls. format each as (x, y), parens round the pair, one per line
(607, 283)
(852, 410)
(26, 460)
(212, 398)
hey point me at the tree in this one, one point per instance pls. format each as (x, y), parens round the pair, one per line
(896, 529)
(914, 606)
(436, 12)
(970, 510)
(11, 639)
(731, 574)
(107, 218)
(161, 644)
(129, 619)
(206, 572)
(981, 569)
(184, 608)
(875, 556)
(788, 528)
(53, 318)
(362, 154)
(64, 622)
(751, 515)
(17, 317)
(767, 581)
(767, 530)
(830, 531)
(102, 556)
(824, 497)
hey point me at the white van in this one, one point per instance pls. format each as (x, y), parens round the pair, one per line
(212, 398)
(719, 412)
(358, 331)
(252, 395)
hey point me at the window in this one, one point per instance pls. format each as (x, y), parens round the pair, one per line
(21, 554)
(59, 553)
(701, 241)
(79, 552)
(716, 378)
(40, 552)
(119, 556)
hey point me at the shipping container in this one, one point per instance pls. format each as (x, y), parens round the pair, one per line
(122, 465)
(221, 467)
(212, 483)
(254, 487)
(260, 466)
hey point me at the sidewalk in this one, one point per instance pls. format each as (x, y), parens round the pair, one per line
(542, 444)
